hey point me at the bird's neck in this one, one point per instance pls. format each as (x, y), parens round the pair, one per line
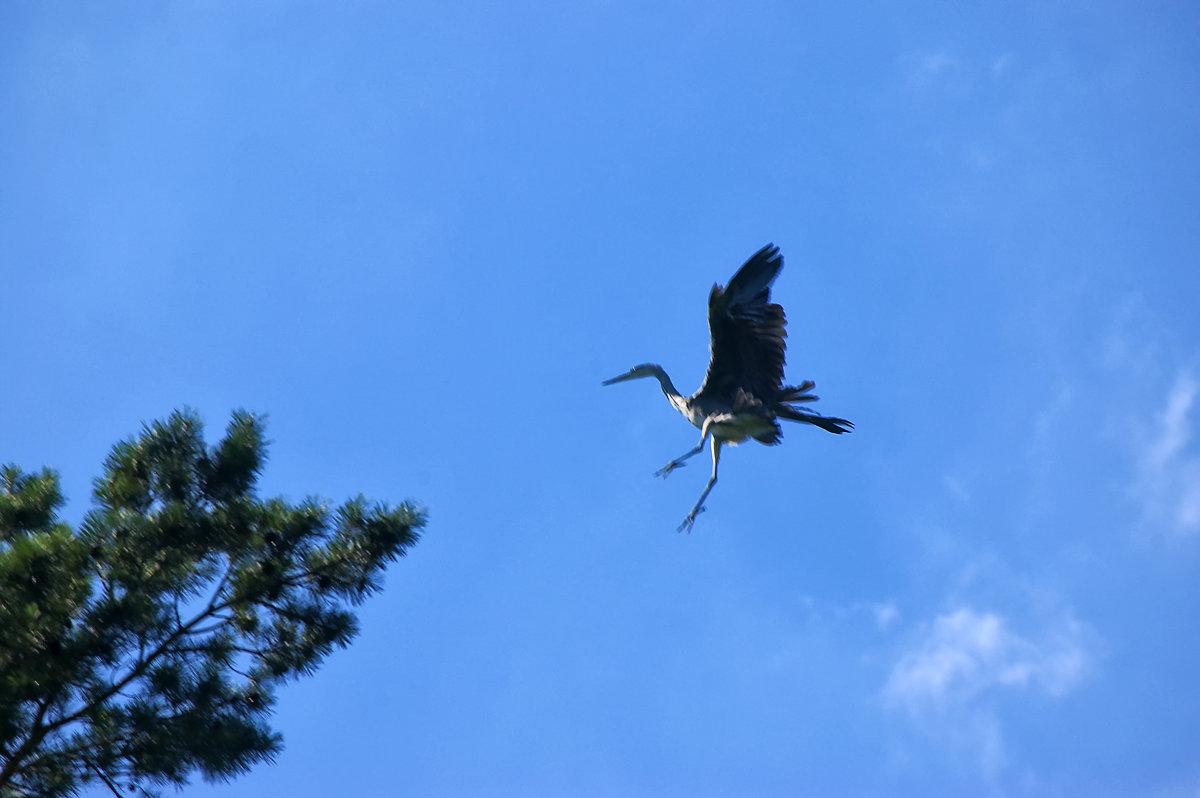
(673, 396)
(664, 381)
(678, 401)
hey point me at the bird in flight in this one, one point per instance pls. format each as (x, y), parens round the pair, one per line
(743, 395)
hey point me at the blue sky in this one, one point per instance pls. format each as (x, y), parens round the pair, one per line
(418, 235)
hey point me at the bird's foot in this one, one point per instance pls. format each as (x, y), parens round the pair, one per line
(666, 470)
(688, 522)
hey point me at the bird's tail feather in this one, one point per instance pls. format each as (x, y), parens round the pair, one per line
(835, 425)
(798, 393)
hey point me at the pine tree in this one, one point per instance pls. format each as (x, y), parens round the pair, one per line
(145, 647)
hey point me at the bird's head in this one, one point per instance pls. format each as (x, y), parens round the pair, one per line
(644, 370)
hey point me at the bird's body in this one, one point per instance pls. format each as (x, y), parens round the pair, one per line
(743, 395)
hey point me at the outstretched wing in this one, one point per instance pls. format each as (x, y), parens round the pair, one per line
(747, 332)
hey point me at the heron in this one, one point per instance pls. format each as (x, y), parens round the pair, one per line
(743, 395)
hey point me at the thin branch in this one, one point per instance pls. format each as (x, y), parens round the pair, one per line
(37, 733)
(224, 578)
(104, 778)
(241, 673)
(254, 652)
(224, 621)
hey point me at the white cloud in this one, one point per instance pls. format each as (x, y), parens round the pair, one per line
(937, 71)
(965, 653)
(957, 488)
(885, 614)
(1168, 482)
(934, 63)
(1001, 64)
(1154, 402)
(942, 72)
(947, 682)
(1174, 429)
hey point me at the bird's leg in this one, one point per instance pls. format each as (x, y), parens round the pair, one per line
(678, 461)
(699, 508)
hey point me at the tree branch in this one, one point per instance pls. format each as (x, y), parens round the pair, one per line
(104, 778)
(37, 733)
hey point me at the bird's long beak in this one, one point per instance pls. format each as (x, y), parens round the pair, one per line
(620, 378)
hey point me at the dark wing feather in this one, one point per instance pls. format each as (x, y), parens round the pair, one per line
(747, 332)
